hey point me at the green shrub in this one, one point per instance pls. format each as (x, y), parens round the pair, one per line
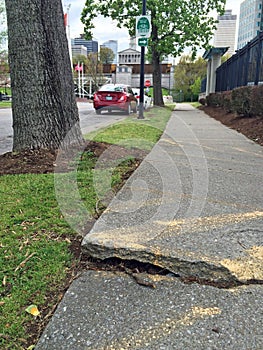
(241, 100)
(257, 101)
(213, 99)
(246, 101)
(226, 101)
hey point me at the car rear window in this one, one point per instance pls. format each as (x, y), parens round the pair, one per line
(112, 88)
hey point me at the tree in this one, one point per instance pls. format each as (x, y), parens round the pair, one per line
(106, 55)
(188, 74)
(43, 100)
(176, 25)
(95, 69)
(4, 70)
(3, 33)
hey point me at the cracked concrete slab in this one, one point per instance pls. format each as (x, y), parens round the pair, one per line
(194, 206)
(106, 310)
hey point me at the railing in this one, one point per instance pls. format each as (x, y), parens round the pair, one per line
(243, 68)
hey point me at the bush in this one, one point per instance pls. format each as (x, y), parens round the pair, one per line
(246, 100)
(213, 99)
(202, 101)
(257, 101)
(241, 100)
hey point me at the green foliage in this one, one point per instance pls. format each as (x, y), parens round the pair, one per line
(106, 55)
(175, 24)
(196, 86)
(3, 32)
(188, 75)
(245, 100)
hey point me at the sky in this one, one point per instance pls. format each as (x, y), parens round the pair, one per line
(106, 29)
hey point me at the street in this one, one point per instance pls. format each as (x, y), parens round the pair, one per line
(89, 121)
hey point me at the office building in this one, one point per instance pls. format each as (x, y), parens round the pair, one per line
(225, 34)
(250, 21)
(78, 50)
(91, 45)
(113, 45)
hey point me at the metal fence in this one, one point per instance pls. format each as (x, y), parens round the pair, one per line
(243, 68)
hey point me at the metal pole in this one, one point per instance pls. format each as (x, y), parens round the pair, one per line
(141, 116)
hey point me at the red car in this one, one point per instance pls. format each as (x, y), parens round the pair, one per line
(115, 97)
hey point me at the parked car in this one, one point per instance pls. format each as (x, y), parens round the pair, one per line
(147, 100)
(115, 97)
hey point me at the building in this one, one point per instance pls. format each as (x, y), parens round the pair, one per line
(113, 45)
(91, 45)
(78, 50)
(129, 56)
(250, 21)
(133, 44)
(225, 34)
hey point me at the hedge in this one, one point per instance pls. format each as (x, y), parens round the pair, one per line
(245, 101)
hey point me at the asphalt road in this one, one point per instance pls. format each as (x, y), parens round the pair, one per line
(89, 121)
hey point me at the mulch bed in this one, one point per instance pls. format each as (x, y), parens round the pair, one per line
(251, 127)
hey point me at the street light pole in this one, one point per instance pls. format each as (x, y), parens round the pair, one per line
(141, 116)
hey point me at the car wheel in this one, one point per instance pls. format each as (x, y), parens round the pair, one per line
(135, 109)
(128, 110)
(98, 111)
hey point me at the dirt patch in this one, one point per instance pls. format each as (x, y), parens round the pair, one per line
(43, 161)
(251, 127)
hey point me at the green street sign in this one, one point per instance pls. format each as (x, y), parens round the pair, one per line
(143, 26)
(142, 41)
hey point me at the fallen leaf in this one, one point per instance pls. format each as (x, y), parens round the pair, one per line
(4, 281)
(31, 347)
(33, 310)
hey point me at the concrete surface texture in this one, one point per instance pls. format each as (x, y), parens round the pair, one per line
(193, 207)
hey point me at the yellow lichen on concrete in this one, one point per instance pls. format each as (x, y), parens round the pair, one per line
(146, 337)
(247, 267)
(208, 222)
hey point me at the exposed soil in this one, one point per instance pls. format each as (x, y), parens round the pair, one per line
(251, 127)
(43, 161)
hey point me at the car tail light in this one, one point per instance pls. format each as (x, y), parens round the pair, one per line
(123, 98)
(96, 97)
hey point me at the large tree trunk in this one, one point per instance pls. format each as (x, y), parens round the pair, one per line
(156, 62)
(157, 80)
(43, 101)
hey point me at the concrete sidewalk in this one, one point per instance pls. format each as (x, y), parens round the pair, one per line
(195, 208)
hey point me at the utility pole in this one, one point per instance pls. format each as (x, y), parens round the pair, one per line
(68, 32)
(141, 116)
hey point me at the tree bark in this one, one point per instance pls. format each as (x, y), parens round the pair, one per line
(43, 100)
(156, 62)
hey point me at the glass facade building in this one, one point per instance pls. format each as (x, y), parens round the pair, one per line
(250, 21)
(91, 45)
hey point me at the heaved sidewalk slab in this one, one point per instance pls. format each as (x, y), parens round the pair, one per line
(194, 206)
(104, 311)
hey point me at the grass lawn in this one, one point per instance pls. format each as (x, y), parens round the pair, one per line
(35, 260)
(5, 104)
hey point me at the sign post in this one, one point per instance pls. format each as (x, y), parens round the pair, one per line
(143, 31)
(143, 42)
